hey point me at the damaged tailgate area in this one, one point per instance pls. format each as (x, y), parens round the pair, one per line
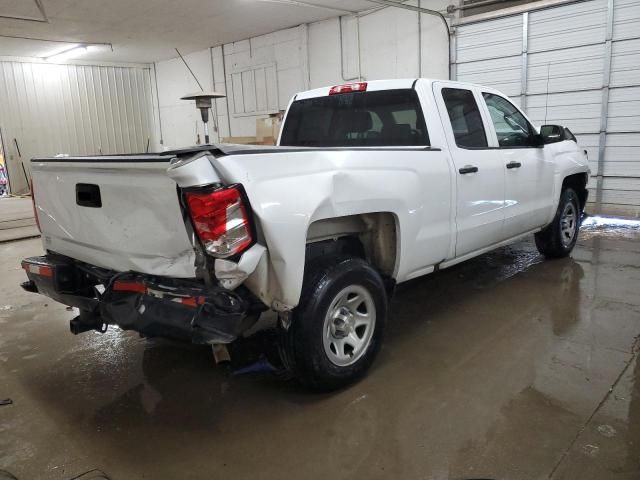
(184, 309)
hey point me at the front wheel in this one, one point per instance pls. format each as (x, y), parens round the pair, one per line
(336, 330)
(560, 236)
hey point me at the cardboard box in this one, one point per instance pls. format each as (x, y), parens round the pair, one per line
(268, 129)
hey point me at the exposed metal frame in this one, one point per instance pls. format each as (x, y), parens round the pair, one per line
(512, 11)
(471, 6)
(428, 11)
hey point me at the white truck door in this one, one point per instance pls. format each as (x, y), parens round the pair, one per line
(479, 170)
(526, 166)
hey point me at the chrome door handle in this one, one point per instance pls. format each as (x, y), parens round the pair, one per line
(468, 169)
(511, 165)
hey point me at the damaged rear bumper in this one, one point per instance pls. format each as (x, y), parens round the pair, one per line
(153, 306)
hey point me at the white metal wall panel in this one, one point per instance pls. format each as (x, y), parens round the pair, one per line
(565, 66)
(489, 53)
(626, 19)
(625, 62)
(580, 111)
(624, 110)
(567, 26)
(565, 70)
(500, 73)
(491, 39)
(74, 109)
(565, 75)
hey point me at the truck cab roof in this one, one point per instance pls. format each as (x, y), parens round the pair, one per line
(376, 85)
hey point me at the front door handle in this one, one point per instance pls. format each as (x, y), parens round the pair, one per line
(468, 169)
(511, 165)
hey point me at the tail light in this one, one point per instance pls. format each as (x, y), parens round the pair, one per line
(35, 210)
(42, 270)
(220, 220)
(348, 88)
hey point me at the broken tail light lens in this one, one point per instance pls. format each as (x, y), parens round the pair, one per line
(220, 220)
(42, 270)
(348, 88)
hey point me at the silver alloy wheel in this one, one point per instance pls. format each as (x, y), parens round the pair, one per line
(348, 325)
(568, 224)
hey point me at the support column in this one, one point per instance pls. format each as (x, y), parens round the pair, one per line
(453, 53)
(604, 108)
(523, 66)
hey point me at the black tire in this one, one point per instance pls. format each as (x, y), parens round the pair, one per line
(325, 281)
(553, 242)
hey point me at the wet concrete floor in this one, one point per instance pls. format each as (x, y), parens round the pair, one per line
(504, 367)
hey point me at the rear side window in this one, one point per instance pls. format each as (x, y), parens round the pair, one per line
(465, 118)
(387, 118)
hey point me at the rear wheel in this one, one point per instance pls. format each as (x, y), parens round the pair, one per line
(336, 330)
(560, 236)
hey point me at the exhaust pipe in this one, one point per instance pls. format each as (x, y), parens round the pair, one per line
(87, 321)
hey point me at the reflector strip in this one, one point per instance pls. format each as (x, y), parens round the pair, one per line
(190, 301)
(140, 288)
(124, 286)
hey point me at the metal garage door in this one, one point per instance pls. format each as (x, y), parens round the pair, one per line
(46, 109)
(577, 65)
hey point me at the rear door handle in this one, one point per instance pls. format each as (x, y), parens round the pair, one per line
(511, 165)
(468, 169)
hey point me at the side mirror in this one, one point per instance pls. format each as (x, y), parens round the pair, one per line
(552, 134)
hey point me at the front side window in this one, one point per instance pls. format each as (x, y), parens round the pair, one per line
(359, 119)
(465, 118)
(512, 128)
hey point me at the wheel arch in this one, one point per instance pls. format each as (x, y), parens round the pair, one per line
(373, 236)
(578, 182)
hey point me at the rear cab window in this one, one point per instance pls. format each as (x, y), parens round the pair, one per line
(385, 118)
(466, 120)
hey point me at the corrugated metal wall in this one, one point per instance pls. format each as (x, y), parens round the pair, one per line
(555, 63)
(490, 53)
(76, 109)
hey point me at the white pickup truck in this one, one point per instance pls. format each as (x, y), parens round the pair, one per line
(371, 184)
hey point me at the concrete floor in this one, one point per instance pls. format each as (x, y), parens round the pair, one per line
(505, 367)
